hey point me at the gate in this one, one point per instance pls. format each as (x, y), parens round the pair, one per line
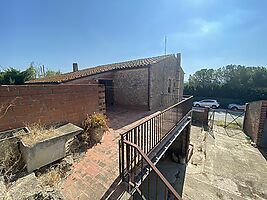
(235, 115)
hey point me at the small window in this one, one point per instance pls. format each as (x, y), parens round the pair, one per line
(174, 86)
(169, 86)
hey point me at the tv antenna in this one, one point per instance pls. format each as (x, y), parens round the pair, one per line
(165, 44)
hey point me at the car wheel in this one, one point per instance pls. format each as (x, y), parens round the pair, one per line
(234, 108)
(197, 105)
(213, 106)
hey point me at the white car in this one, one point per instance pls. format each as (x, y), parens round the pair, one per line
(211, 103)
(234, 106)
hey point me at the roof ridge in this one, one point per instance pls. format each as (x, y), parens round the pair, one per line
(163, 56)
(141, 62)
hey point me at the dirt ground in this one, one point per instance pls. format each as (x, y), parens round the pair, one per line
(227, 167)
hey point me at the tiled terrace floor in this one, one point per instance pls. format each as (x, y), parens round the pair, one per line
(94, 176)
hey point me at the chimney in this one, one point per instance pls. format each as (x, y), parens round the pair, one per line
(178, 57)
(75, 67)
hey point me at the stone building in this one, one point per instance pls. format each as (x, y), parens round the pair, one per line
(147, 83)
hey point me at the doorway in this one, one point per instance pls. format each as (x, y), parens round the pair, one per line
(109, 92)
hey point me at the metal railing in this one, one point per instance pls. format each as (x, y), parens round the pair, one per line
(168, 99)
(146, 136)
(159, 192)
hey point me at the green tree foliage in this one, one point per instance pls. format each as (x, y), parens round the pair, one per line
(12, 76)
(231, 81)
(49, 73)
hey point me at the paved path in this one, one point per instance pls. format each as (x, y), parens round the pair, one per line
(94, 175)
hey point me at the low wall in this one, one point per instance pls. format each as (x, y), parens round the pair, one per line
(254, 120)
(48, 104)
(200, 116)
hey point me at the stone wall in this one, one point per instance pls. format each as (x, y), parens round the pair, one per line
(131, 88)
(92, 79)
(48, 104)
(254, 120)
(164, 74)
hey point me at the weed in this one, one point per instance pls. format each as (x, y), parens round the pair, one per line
(94, 127)
(11, 161)
(51, 178)
(37, 133)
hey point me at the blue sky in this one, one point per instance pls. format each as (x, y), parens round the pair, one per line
(208, 33)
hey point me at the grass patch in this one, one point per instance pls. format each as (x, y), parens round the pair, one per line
(231, 126)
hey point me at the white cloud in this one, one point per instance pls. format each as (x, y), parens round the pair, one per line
(204, 27)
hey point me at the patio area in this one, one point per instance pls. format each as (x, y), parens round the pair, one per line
(96, 175)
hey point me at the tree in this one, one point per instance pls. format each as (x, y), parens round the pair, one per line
(12, 76)
(231, 81)
(49, 73)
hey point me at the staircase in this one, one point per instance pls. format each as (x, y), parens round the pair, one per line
(141, 148)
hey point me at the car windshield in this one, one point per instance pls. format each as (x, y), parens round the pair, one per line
(208, 101)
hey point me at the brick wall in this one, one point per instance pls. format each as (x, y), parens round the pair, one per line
(261, 137)
(254, 120)
(49, 104)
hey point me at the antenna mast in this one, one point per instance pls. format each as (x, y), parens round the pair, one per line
(165, 44)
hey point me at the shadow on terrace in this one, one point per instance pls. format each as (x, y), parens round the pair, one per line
(122, 117)
(97, 175)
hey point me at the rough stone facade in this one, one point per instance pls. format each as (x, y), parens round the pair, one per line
(92, 79)
(149, 87)
(166, 82)
(131, 88)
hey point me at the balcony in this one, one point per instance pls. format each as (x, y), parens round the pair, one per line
(143, 145)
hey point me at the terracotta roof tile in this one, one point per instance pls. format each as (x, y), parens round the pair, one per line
(99, 69)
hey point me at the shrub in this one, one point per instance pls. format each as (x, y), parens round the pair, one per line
(94, 127)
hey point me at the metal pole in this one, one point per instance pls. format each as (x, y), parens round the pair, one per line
(225, 117)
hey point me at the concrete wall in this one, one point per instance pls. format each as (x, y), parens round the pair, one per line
(131, 88)
(48, 104)
(254, 121)
(161, 73)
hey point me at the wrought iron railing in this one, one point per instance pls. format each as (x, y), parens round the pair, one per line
(146, 136)
(162, 188)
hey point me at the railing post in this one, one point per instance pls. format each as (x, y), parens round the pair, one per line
(122, 158)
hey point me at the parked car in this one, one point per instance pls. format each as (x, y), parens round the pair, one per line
(207, 103)
(234, 106)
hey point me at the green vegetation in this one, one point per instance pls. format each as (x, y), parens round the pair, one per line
(230, 126)
(12, 76)
(229, 82)
(224, 102)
